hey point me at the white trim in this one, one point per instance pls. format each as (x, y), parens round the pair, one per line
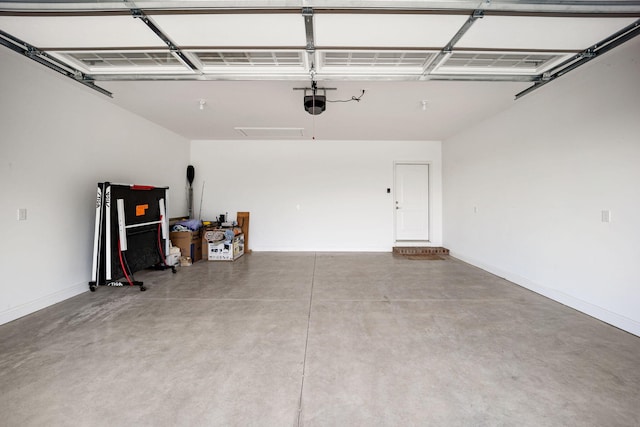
(414, 243)
(96, 235)
(107, 227)
(385, 249)
(42, 302)
(592, 310)
(122, 233)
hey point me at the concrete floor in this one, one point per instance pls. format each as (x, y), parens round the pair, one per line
(277, 339)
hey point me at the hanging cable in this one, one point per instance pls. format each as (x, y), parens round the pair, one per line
(313, 121)
(353, 98)
(314, 87)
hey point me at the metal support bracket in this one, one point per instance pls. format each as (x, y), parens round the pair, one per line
(589, 53)
(139, 14)
(310, 47)
(32, 52)
(307, 13)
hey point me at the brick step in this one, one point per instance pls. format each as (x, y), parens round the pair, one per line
(408, 250)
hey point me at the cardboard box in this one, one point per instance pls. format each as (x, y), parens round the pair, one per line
(188, 242)
(224, 251)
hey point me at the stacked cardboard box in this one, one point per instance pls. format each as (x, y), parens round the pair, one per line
(189, 243)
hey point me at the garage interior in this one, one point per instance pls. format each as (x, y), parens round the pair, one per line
(524, 113)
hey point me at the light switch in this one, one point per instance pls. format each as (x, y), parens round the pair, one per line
(606, 216)
(22, 214)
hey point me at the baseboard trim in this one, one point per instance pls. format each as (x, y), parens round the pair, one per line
(600, 313)
(42, 302)
(337, 250)
(414, 243)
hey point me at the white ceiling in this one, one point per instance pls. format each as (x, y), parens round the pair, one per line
(221, 67)
(387, 111)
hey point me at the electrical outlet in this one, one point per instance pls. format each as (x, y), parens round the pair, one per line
(606, 216)
(22, 214)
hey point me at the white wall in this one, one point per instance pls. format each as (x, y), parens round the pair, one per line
(311, 195)
(540, 174)
(57, 141)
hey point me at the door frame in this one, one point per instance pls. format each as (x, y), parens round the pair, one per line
(393, 202)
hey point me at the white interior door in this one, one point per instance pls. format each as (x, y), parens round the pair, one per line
(412, 201)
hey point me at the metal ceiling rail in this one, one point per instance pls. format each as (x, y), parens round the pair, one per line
(63, 13)
(487, 12)
(635, 13)
(310, 48)
(484, 77)
(196, 77)
(137, 13)
(475, 15)
(319, 77)
(585, 56)
(43, 58)
(244, 48)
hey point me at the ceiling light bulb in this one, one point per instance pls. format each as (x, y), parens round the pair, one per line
(424, 105)
(202, 102)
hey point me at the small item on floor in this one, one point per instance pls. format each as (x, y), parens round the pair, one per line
(185, 261)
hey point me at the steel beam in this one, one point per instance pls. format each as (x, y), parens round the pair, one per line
(307, 13)
(475, 15)
(137, 13)
(542, 8)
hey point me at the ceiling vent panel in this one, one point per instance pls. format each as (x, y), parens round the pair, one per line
(498, 63)
(254, 62)
(368, 62)
(129, 62)
(231, 59)
(377, 59)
